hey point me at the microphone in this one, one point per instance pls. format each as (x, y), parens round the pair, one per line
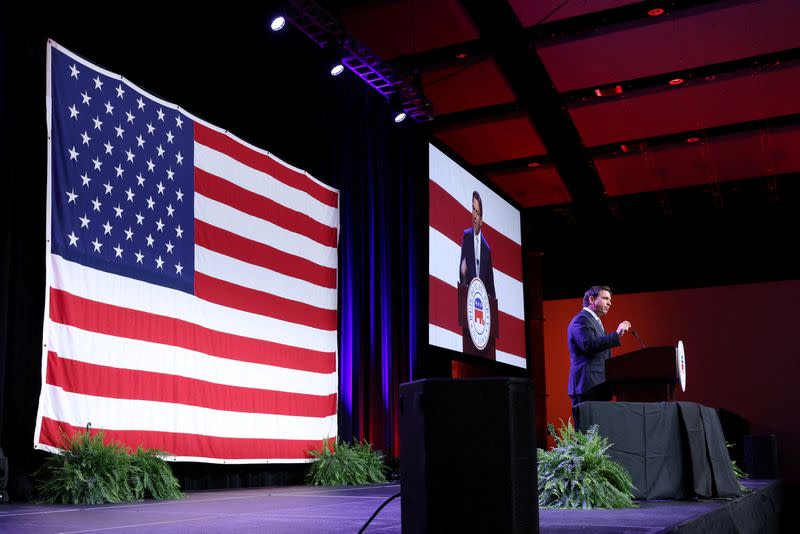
(632, 331)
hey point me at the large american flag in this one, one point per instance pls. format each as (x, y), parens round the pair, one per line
(191, 281)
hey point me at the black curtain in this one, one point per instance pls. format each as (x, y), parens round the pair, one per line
(273, 91)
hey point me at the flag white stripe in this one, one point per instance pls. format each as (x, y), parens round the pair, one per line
(224, 166)
(127, 414)
(228, 218)
(129, 293)
(123, 353)
(457, 181)
(444, 255)
(255, 277)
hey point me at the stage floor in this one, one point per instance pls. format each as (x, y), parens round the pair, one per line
(302, 509)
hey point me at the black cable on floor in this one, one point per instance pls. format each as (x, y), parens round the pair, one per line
(387, 501)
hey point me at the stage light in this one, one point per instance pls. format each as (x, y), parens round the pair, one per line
(655, 12)
(676, 81)
(692, 139)
(337, 69)
(277, 23)
(400, 116)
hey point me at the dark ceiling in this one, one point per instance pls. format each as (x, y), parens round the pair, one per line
(674, 122)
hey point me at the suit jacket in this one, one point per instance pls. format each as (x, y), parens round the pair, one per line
(468, 253)
(589, 348)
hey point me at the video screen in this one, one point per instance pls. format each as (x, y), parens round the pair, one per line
(476, 303)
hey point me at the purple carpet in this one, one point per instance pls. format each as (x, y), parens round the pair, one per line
(302, 509)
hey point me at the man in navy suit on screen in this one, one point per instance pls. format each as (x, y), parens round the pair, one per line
(476, 256)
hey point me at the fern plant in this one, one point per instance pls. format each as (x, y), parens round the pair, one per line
(342, 464)
(578, 473)
(90, 471)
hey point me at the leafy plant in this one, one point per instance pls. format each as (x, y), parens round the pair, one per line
(342, 464)
(577, 472)
(90, 471)
(737, 471)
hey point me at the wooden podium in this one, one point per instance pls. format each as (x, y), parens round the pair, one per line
(468, 347)
(646, 375)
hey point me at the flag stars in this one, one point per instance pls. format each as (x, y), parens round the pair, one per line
(179, 231)
(150, 240)
(151, 203)
(73, 112)
(170, 137)
(73, 71)
(107, 228)
(72, 196)
(179, 194)
(120, 131)
(160, 151)
(160, 226)
(179, 158)
(140, 103)
(140, 141)
(85, 138)
(169, 246)
(140, 179)
(178, 268)
(170, 174)
(170, 210)
(118, 210)
(130, 116)
(98, 84)
(139, 219)
(178, 122)
(159, 263)
(160, 187)
(128, 234)
(118, 251)
(109, 108)
(73, 239)
(98, 124)
(130, 154)
(160, 114)
(150, 129)
(108, 187)
(73, 154)
(85, 178)
(150, 165)
(139, 256)
(109, 147)
(97, 245)
(86, 98)
(84, 221)
(97, 164)
(120, 91)
(119, 170)
(130, 194)
(96, 204)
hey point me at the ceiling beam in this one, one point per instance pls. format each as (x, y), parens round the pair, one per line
(504, 36)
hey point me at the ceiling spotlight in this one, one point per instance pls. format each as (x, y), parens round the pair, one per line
(400, 116)
(676, 81)
(462, 55)
(693, 140)
(277, 23)
(655, 12)
(534, 164)
(337, 69)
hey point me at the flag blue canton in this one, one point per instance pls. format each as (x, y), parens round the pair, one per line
(122, 178)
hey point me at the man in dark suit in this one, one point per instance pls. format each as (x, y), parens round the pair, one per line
(476, 256)
(590, 347)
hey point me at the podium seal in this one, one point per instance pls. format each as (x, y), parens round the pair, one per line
(680, 363)
(479, 315)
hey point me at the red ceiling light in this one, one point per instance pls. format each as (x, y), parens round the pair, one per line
(676, 81)
(693, 140)
(608, 91)
(462, 55)
(534, 164)
(655, 12)
(625, 148)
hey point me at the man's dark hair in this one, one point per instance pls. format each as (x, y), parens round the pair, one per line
(593, 292)
(476, 196)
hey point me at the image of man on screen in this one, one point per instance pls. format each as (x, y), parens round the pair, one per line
(476, 256)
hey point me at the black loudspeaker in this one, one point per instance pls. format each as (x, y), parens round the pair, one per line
(761, 456)
(468, 456)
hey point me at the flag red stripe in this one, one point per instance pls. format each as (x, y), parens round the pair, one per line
(69, 309)
(191, 445)
(253, 252)
(252, 158)
(254, 301)
(104, 381)
(246, 201)
(444, 313)
(451, 219)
